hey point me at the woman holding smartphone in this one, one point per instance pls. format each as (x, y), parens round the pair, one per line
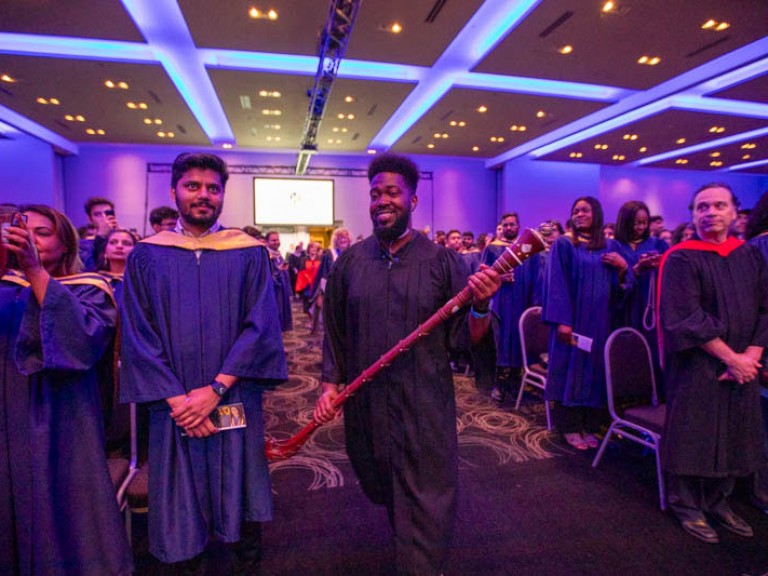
(58, 512)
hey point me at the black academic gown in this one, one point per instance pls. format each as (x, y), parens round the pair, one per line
(400, 427)
(58, 512)
(283, 290)
(187, 317)
(713, 428)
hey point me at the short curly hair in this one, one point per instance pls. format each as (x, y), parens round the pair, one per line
(398, 164)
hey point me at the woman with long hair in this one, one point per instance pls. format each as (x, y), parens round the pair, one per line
(119, 244)
(584, 279)
(58, 513)
(307, 275)
(643, 255)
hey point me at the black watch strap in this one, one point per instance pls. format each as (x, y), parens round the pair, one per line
(219, 388)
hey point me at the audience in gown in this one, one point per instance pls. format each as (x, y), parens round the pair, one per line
(119, 243)
(586, 277)
(642, 253)
(58, 513)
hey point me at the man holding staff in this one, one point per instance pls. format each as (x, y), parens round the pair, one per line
(401, 427)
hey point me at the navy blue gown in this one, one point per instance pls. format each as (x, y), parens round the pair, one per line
(58, 512)
(188, 316)
(283, 290)
(509, 303)
(580, 292)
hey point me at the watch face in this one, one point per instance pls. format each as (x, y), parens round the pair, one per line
(219, 388)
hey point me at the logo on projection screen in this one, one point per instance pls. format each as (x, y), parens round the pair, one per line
(293, 201)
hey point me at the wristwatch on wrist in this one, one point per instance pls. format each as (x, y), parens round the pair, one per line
(219, 388)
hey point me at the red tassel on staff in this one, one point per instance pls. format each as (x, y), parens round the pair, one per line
(528, 244)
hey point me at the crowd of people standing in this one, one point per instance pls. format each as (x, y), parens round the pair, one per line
(202, 308)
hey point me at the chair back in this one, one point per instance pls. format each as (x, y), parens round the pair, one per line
(534, 335)
(629, 371)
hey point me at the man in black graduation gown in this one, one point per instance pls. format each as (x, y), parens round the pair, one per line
(401, 427)
(714, 319)
(200, 329)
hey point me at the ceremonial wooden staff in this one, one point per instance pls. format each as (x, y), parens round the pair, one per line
(528, 244)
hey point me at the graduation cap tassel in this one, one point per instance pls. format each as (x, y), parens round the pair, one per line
(528, 244)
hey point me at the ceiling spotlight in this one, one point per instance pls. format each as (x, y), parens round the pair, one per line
(430, 146)
(109, 84)
(100, 132)
(349, 99)
(147, 120)
(746, 156)
(717, 129)
(257, 14)
(122, 85)
(41, 100)
(69, 117)
(714, 155)
(344, 130)
(54, 101)
(452, 123)
(609, 7)
(722, 26)
(619, 157)
(567, 49)
(575, 155)
(629, 137)
(396, 28)
(371, 151)
(462, 123)
(540, 114)
(350, 116)
(649, 60)
(681, 161)
(226, 146)
(748, 146)
(80, 118)
(272, 14)
(7, 78)
(90, 131)
(475, 148)
(482, 109)
(601, 146)
(680, 141)
(643, 149)
(715, 26)
(716, 163)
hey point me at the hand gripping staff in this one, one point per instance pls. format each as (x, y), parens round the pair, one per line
(528, 244)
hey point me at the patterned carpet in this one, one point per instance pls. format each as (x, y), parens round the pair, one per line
(485, 430)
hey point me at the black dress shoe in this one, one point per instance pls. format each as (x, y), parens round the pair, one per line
(735, 524)
(702, 530)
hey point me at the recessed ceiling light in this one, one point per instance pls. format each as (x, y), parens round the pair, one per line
(270, 94)
(716, 163)
(41, 100)
(257, 14)
(681, 161)
(714, 155)
(54, 101)
(601, 146)
(338, 141)
(335, 129)
(619, 157)
(746, 156)
(540, 114)
(7, 78)
(629, 137)
(271, 112)
(680, 141)
(575, 155)
(147, 120)
(482, 109)
(80, 118)
(643, 149)
(90, 131)
(343, 130)
(717, 129)
(349, 99)
(101, 132)
(226, 146)
(109, 84)
(371, 151)
(430, 146)
(609, 6)
(649, 60)
(475, 148)
(497, 138)
(748, 146)
(453, 123)
(516, 128)
(350, 116)
(567, 49)
(462, 123)
(396, 28)
(715, 26)
(122, 85)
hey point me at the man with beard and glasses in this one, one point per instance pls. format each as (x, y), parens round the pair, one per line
(714, 320)
(401, 427)
(200, 330)
(514, 297)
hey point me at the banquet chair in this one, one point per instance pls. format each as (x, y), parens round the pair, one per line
(534, 340)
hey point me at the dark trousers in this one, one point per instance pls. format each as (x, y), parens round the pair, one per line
(244, 555)
(570, 419)
(691, 496)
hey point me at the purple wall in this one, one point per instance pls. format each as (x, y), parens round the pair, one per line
(31, 172)
(461, 194)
